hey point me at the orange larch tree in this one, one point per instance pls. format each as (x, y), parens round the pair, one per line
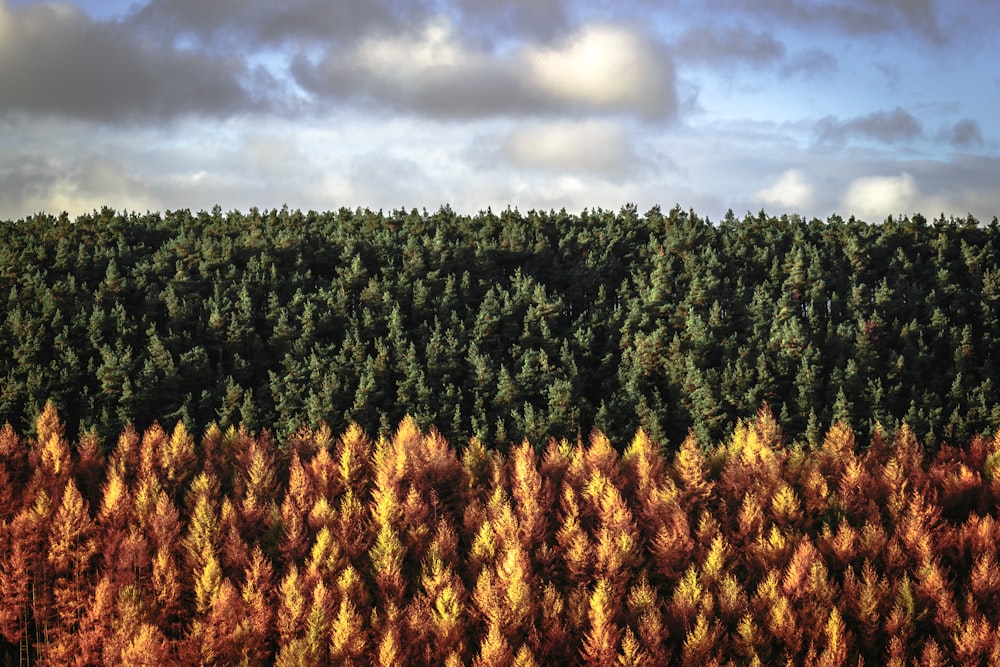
(50, 452)
(14, 471)
(177, 460)
(146, 648)
(646, 614)
(292, 610)
(294, 539)
(256, 632)
(350, 633)
(532, 497)
(15, 585)
(616, 535)
(690, 470)
(437, 614)
(600, 645)
(203, 536)
(89, 467)
(348, 638)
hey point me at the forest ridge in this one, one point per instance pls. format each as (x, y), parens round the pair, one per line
(502, 326)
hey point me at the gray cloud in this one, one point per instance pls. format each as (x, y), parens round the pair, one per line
(736, 45)
(964, 134)
(538, 18)
(600, 68)
(75, 183)
(24, 183)
(322, 20)
(969, 181)
(854, 17)
(740, 46)
(751, 169)
(466, 89)
(55, 60)
(394, 181)
(239, 22)
(888, 127)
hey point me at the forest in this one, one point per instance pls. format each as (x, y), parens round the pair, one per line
(340, 549)
(357, 437)
(500, 326)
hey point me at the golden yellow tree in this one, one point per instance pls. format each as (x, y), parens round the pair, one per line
(71, 550)
(690, 470)
(600, 645)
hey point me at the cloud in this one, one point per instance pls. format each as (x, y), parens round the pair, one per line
(888, 127)
(876, 197)
(79, 184)
(397, 181)
(55, 60)
(98, 180)
(598, 69)
(809, 63)
(606, 67)
(25, 184)
(853, 17)
(963, 134)
(597, 147)
(792, 190)
(236, 23)
(920, 16)
(741, 46)
(539, 18)
(430, 72)
(958, 186)
(731, 46)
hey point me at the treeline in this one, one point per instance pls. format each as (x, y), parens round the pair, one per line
(504, 325)
(327, 549)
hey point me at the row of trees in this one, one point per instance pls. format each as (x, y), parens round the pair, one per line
(501, 325)
(344, 550)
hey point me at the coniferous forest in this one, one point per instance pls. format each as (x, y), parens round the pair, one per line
(501, 439)
(502, 326)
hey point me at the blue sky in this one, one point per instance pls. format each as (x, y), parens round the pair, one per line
(856, 107)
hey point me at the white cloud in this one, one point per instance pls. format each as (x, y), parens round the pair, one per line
(588, 146)
(792, 190)
(875, 197)
(435, 72)
(435, 48)
(606, 67)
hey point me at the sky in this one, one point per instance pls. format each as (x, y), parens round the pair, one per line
(868, 108)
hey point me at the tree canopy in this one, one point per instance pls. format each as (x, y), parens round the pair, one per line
(236, 549)
(500, 325)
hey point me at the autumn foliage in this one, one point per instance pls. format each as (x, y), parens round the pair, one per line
(232, 548)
